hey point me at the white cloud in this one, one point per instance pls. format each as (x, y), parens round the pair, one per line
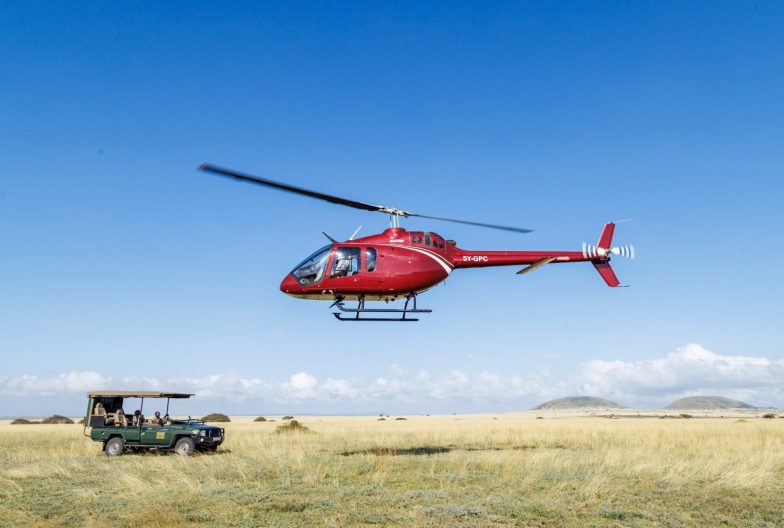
(302, 386)
(689, 370)
(457, 387)
(397, 370)
(70, 382)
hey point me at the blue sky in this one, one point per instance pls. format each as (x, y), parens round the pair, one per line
(121, 265)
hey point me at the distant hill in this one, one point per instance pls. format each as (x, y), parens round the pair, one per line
(708, 403)
(578, 402)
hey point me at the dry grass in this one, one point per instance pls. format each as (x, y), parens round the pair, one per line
(425, 471)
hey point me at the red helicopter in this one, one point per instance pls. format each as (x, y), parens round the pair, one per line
(400, 264)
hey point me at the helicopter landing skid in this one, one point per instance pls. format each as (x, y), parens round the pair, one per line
(360, 310)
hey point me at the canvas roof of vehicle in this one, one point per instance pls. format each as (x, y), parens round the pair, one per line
(137, 394)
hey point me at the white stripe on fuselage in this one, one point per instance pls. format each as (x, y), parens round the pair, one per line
(435, 256)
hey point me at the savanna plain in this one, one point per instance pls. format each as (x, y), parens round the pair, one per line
(481, 470)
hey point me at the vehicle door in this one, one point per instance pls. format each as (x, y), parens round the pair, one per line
(130, 434)
(155, 435)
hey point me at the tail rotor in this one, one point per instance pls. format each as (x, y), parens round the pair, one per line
(595, 252)
(624, 251)
(600, 254)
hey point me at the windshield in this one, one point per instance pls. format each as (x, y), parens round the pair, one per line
(311, 270)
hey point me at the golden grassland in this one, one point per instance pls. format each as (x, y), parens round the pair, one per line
(482, 470)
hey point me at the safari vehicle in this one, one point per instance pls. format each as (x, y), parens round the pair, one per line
(122, 431)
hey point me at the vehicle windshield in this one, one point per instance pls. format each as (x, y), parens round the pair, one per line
(311, 270)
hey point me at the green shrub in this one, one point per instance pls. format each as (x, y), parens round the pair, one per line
(260, 419)
(287, 418)
(293, 426)
(400, 418)
(216, 417)
(769, 416)
(23, 421)
(684, 415)
(57, 419)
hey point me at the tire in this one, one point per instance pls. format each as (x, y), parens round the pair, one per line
(114, 447)
(184, 446)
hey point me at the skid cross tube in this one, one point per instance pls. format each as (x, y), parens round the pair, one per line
(360, 309)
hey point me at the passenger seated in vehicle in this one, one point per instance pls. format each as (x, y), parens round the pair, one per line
(120, 419)
(138, 418)
(99, 411)
(157, 420)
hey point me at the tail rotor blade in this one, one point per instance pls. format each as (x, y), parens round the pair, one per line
(624, 251)
(591, 251)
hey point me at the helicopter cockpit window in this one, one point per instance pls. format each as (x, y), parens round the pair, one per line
(416, 238)
(311, 270)
(346, 262)
(370, 259)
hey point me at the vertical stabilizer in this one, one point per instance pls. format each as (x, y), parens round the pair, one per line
(605, 239)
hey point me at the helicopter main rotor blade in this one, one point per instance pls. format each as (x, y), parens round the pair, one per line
(206, 167)
(290, 188)
(478, 224)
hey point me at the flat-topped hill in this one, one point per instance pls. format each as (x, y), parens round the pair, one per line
(707, 403)
(578, 402)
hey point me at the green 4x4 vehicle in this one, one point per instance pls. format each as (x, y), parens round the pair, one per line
(119, 430)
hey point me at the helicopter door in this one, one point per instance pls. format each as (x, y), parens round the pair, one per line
(373, 265)
(371, 259)
(345, 263)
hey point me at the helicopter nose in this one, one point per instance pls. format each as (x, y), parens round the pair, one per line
(290, 285)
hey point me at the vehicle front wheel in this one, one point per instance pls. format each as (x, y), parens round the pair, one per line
(114, 447)
(184, 446)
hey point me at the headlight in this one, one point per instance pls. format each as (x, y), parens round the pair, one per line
(203, 432)
(195, 431)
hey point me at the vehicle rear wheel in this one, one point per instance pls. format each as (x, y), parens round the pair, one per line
(184, 446)
(114, 447)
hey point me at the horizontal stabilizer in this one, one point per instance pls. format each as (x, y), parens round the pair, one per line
(537, 264)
